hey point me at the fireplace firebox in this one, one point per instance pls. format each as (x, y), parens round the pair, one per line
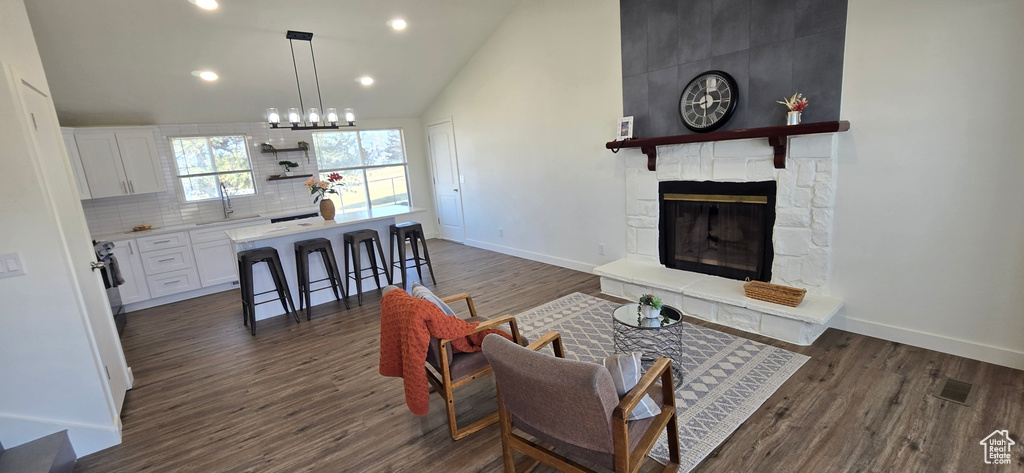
(718, 228)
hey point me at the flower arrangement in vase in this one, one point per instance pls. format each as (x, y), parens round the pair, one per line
(319, 190)
(796, 105)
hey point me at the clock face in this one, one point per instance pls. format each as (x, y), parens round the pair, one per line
(708, 101)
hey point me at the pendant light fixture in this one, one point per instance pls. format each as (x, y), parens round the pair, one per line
(313, 118)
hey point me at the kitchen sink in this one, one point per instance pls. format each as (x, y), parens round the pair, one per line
(230, 220)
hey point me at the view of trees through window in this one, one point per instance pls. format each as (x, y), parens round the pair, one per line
(206, 162)
(372, 163)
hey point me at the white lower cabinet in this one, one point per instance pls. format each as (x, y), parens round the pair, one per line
(169, 265)
(173, 282)
(162, 261)
(215, 262)
(135, 287)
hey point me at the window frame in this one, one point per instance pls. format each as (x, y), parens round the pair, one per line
(182, 198)
(362, 158)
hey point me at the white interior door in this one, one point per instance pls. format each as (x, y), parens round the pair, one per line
(447, 188)
(68, 209)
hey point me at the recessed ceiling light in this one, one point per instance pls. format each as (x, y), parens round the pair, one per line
(366, 80)
(397, 24)
(206, 75)
(205, 4)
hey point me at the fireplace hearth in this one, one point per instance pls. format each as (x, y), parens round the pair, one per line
(718, 228)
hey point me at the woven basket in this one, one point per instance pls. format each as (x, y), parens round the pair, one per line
(774, 293)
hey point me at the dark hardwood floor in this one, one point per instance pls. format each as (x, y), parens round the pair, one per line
(307, 397)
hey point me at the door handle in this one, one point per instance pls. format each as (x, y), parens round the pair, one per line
(455, 190)
(131, 186)
(97, 265)
(124, 186)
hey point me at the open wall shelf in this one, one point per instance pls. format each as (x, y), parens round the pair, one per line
(776, 138)
(278, 177)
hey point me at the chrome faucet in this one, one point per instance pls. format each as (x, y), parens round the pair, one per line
(225, 200)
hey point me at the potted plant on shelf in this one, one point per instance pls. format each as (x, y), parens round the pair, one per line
(796, 105)
(305, 149)
(649, 307)
(287, 166)
(268, 148)
(319, 190)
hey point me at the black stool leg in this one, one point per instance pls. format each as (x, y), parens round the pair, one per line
(426, 256)
(416, 254)
(281, 284)
(401, 259)
(380, 250)
(373, 261)
(248, 298)
(241, 284)
(336, 282)
(357, 270)
(330, 272)
(392, 237)
(302, 274)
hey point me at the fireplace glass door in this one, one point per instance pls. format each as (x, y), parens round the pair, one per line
(726, 235)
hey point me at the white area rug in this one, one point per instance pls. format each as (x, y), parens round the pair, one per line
(726, 378)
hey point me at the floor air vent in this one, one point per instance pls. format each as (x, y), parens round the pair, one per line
(956, 391)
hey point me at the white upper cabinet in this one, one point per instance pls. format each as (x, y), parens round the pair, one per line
(119, 162)
(141, 163)
(102, 163)
(76, 167)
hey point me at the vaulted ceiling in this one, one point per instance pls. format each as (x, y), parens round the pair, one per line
(123, 62)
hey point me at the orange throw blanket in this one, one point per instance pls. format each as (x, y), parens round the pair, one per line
(406, 325)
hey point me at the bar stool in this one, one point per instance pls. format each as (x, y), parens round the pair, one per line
(246, 260)
(412, 232)
(369, 238)
(323, 246)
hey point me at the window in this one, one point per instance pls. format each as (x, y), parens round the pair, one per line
(373, 165)
(206, 162)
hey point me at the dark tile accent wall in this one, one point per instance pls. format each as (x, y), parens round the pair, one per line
(772, 48)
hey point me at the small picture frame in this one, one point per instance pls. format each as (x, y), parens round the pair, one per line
(625, 131)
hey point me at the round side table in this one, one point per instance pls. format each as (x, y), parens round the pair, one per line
(651, 337)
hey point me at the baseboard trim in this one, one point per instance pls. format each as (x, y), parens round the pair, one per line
(976, 351)
(86, 439)
(181, 296)
(565, 263)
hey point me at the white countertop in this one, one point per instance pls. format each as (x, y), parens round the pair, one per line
(204, 225)
(294, 227)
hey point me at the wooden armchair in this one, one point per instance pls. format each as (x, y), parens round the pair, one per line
(574, 406)
(458, 369)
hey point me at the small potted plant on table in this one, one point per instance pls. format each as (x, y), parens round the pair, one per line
(649, 307)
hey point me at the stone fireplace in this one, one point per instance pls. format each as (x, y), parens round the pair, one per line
(799, 242)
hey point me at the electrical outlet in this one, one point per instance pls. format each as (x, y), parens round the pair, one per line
(501, 232)
(10, 265)
(600, 249)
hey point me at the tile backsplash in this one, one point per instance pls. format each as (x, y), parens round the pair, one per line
(119, 214)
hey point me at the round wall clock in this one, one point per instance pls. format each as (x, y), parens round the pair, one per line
(708, 101)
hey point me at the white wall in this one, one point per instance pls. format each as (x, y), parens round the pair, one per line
(49, 362)
(929, 222)
(532, 111)
(114, 215)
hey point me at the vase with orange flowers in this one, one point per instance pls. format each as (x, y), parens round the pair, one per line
(319, 190)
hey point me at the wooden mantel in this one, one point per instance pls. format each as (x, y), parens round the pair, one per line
(776, 138)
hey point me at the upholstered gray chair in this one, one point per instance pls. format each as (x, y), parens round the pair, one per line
(573, 406)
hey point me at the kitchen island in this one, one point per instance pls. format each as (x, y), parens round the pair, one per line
(282, 237)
